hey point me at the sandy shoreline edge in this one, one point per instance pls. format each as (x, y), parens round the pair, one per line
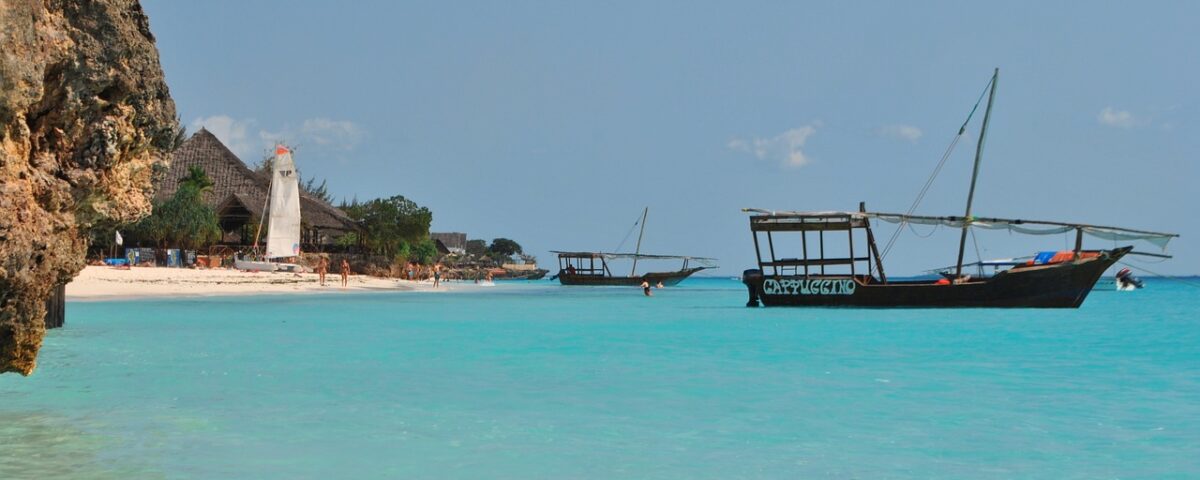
(96, 283)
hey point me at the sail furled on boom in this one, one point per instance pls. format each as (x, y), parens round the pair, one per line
(1027, 227)
(1030, 227)
(283, 227)
(703, 261)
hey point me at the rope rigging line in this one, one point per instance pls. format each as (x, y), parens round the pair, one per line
(1159, 275)
(937, 170)
(978, 256)
(627, 234)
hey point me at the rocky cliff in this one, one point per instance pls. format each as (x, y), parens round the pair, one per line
(85, 121)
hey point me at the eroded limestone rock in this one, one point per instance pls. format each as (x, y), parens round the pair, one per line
(85, 121)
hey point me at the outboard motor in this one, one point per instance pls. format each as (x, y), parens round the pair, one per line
(752, 278)
(1126, 280)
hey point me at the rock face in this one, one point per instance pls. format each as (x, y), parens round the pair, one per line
(86, 120)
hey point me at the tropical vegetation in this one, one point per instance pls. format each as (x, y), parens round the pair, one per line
(183, 220)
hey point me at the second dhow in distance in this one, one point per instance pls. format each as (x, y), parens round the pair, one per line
(596, 268)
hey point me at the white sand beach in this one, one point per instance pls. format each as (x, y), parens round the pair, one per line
(108, 283)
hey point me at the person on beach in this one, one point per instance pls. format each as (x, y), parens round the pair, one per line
(437, 276)
(345, 272)
(646, 288)
(322, 267)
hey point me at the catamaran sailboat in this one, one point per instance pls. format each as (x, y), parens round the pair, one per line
(282, 217)
(592, 268)
(810, 278)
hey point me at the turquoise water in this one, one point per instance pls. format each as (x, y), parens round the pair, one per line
(540, 381)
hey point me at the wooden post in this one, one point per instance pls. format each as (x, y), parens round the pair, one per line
(757, 252)
(862, 207)
(804, 246)
(821, 238)
(1078, 242)
(771, 245)
(56, 307)
(850, 237)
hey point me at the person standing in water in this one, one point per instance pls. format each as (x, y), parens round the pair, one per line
(345, 272)
(646, 288)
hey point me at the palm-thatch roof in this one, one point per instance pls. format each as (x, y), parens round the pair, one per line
(235, 183)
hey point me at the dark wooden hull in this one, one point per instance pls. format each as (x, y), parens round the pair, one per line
(668, 279)
(1063, 285)
(524, 275)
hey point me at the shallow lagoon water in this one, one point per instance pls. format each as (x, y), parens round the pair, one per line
(532, 380)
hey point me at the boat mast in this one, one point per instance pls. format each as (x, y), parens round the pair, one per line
(987, 114)
(266, 205)
(638, 250)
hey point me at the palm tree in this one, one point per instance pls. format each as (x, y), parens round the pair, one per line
(198, 179)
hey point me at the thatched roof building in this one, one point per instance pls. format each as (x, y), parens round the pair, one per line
(239, 194)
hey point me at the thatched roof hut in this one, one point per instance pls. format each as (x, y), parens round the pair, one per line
(239, 194)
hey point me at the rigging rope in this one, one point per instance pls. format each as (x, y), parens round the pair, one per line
(936, 170)
(978, 256)
(627, 234)
(1168, 277)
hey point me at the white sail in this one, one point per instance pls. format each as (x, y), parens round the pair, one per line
(283, 221)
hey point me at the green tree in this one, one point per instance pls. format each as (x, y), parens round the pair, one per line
(424, 252)
(197, 178)
(183, 221)
(505, 247)
(476, 247)
(317, 191)
(391, 223)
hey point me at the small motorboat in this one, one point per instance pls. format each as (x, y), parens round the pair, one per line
(1126, 281)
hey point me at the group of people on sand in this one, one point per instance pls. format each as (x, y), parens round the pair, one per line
(416, 272)
(323, 268)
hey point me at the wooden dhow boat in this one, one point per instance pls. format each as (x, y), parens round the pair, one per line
(810, 278)
(593, 269)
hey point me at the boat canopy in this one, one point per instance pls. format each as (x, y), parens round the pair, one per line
(639, 256)
(772, 220)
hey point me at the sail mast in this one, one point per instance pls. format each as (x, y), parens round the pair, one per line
(266, 205)
(638, 250)
(987, 114)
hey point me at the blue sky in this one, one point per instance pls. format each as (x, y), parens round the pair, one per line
(554, 123)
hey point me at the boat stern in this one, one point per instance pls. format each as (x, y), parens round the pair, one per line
(753, 279)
